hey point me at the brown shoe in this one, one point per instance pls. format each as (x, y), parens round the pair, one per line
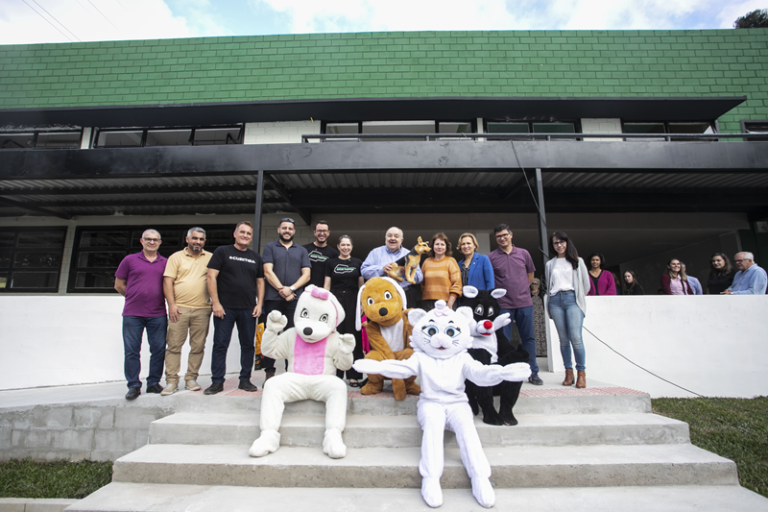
(568, 377)
(581, 379)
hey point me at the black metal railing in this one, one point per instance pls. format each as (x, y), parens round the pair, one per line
(661, 137)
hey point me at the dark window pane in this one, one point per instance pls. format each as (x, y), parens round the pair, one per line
(35, 280)
(36, 260)
(759, 127)
(168, 138)
(554, 128)
(3, 281)
(110, 259)
(87, 280)
(16, 140)
(5, 259)
(218, 237)
(58, 140)
(217, 136)
(120, 138)
(644, 128)
(507, 127)
(41, 239)
(445, 127)
(7, 238)
(104, 238)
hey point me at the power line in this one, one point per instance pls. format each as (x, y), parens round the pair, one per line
(103, 16)
(57, 21)
(48, 21)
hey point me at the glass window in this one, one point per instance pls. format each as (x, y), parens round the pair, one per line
(120, 138)
(446, 127)
(217, 136)
(756, 127)
(58, 140)
(17, 140)
(688, 128)
(648, 128)
(339, 128)
(169, 138)
(396, 127)
(30, 259)
(554, 128)
(508, 128)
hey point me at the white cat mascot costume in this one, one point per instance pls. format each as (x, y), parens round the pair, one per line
(440, 340)
(314, 351)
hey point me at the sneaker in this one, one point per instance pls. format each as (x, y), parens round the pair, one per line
(133, 393)
(247, 385)
(216, 387)
(157, 388)
(192, 385)
(170, 388)
(535, 380)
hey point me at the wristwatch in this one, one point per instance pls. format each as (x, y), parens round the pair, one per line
(292, 288)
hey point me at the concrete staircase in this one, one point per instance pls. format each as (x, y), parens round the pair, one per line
(594, 449)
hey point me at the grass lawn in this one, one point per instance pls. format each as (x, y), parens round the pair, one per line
(61, 479)
(733, 428)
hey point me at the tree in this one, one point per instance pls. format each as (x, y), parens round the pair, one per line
(755, 19)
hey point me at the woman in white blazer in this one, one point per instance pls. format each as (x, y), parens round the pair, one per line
(567, 286)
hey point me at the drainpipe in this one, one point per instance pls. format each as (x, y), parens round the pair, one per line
(257, 216)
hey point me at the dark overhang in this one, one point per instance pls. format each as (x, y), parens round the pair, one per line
(380, 109)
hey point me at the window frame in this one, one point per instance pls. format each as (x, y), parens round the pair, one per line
(10, 271)
(324, 125)
(745, 122)
(575, 122)
(672, 138)
(36, 134)
(146, 129)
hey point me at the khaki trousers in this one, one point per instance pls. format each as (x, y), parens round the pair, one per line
(194, 321)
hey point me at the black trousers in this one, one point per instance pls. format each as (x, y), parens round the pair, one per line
(348, 301)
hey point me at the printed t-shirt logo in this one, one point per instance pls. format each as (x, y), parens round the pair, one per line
(344, 269)
(317, 257)
(238, 258)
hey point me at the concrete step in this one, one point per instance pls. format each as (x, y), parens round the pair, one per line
(533, 400)
(404, 431)
(513, 466)
(126, 497)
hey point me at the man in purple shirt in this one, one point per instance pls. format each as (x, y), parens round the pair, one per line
(513, 270)
(140, 279)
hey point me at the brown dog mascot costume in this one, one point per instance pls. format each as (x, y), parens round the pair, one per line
(383, 301)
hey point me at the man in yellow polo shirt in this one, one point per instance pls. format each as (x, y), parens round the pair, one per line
(189, 310)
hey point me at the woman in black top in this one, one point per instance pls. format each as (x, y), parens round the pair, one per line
(343, 279)
(721, 275)
(630, 286)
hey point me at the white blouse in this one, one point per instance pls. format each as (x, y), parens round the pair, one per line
(562, 276)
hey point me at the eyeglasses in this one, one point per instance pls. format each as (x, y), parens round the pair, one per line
(322, 231)
(151, 240)
(287, 219)
(499, 237)
(738, 261)
(558, 244)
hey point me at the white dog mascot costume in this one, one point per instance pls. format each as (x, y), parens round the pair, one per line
(314, 351)
(440, 340)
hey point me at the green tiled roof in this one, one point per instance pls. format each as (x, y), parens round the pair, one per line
(395, 64)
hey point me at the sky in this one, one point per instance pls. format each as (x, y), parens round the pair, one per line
(47, 21)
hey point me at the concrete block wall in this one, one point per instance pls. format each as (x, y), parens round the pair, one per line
(76, 431)
(601, 125)
(288, 132)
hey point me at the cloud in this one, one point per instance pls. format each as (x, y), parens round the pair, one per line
(731, 11)
(41, 21)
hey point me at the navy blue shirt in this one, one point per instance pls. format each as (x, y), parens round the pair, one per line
(287, 264)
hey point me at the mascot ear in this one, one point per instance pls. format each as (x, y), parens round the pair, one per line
(358, 323)
(498, 293)
(340, 313)
(417, 314)
(470, 292)
(463, 311)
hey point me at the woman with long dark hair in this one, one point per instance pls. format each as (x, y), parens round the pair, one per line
(721, 274)
(567, 283)
(601, 281)
(630, 286)
(674, 281)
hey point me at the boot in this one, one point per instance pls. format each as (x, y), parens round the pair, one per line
(568, 377)
(581, 379)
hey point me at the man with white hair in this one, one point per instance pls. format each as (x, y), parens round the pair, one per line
(381, 259)
(750, 279)
(139, 278)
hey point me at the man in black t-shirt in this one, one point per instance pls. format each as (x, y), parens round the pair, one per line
(236, 286)
(319, 253)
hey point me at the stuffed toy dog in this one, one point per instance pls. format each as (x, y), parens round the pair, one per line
(383, 301)
(441, 339)
(490, 346)
(314, 351)
(407, 265)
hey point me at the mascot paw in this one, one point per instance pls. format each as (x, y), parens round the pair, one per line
(268, 442)
(333, 445)
(492, 418)
(367, 366)
(517, 372)
(276, 321)
(431, 492)
(398, 388)
(412, 388)
(483, 492)
(347, 344)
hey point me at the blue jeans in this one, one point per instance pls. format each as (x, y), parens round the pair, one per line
(133, 330)
(568, 318)
(523, 317)
(222, 334)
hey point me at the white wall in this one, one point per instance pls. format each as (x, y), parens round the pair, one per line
(601, 125)
(288, 132)
(60, 340)
(711, 345)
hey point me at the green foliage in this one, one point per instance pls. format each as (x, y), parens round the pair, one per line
(60, 479)
(733, 428)
(755, 19)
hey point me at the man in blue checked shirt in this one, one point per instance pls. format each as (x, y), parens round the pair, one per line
(380, 260)
(750, 279)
